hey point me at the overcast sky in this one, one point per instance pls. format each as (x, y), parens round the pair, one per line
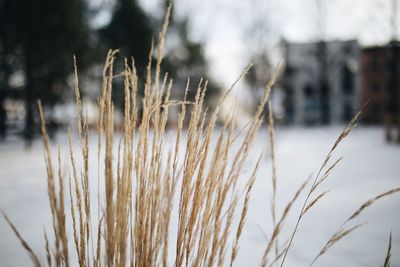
(230, 28)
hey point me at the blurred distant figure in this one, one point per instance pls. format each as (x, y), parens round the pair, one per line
(392, 120)
(393, 112)
(29, 126)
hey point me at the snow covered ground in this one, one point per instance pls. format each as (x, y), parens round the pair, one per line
(370, 166)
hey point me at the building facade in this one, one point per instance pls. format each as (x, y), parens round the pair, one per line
(380, 82)
(380, 72)
(321, 82)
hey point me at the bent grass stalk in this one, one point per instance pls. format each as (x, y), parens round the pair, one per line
(308, 202)
(389, 252)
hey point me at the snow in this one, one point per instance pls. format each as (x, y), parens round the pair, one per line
(370, 166)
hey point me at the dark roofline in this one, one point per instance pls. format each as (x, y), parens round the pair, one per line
(315, 43)
(378, 47)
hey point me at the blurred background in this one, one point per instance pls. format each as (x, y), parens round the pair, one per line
(337, 54)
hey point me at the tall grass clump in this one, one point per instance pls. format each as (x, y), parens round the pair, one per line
(154, 169)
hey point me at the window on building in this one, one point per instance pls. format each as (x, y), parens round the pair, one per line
(347, 80)
(311, 105)
(290, 70)
(374, 87)
(375, 113)
(308, 91)
(347, 49)
(374, 64)
(347, 112)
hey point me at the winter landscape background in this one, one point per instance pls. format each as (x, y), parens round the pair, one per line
(335, 56)
(370, 166)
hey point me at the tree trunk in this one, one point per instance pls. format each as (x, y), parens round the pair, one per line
(29, 99)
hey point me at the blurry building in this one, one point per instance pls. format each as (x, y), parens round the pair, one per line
(380, 70)
(321, 82)
(380, 82)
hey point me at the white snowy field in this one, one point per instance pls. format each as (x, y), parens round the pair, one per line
(370, 166)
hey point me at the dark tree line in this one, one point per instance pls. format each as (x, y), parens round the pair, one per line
(39, 37)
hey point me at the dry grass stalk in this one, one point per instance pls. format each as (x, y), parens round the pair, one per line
(308, 203)
(83, 131)
(235, 247)
(280, 254)
(342, 231)
(277, 229)
(25, 245)
(47, 246)
(372, 201)
(389, 252)
(56, 200)
(314, 201)
(271, 133)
